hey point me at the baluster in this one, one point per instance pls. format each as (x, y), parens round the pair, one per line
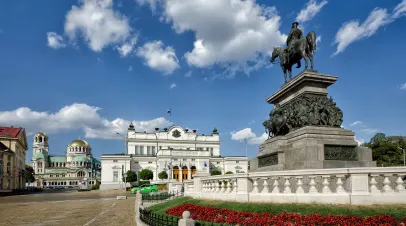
(373, 183)
(275, 185)
(340, 183)
(400, 184)
(287, 186)
(216, 186)
(299, 185)
(235, 189)
(312, 184)
(211, 186)
(228, 186)
(220, 186)
(386, 182)
(255, 189)
(223, 188)
(326, 189)
(265, 190)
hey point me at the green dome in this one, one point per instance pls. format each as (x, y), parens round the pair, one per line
(38, 156)
(80, 159)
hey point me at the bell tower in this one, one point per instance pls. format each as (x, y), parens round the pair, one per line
(40, 153)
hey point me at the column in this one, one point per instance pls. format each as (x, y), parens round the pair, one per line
(189, 173)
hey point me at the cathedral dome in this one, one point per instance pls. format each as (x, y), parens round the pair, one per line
(41, 134)
(78, 143)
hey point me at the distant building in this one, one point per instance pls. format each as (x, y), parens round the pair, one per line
(13, 147)
(178, 151)
(73, 169)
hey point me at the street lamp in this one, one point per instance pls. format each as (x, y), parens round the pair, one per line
(125, 161)
(404, 156)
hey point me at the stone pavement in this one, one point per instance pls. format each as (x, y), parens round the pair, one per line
(72, 209)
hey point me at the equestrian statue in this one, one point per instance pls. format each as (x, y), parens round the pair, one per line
(297, 47)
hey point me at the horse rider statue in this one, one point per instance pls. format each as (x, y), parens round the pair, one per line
(295, 34)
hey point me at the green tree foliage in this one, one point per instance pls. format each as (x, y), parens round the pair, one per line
(215, 172)
(29, 174)
(146, 174)
(386, 150)
(131, 176)
(229, 172)
(96, 186)
(163, 175)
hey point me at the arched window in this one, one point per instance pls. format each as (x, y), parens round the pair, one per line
(40, 139)
(81, 174)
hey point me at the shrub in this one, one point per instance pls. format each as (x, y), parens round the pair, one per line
(146, 174)
(163, 175)
(215, 172)
(229, 172)
(131, 176)
(143, 182)
(96, 186)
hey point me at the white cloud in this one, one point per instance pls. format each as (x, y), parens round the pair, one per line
(400, 10)
(127, 47)
(403, 86)
(188, 74)
(236, 35)
(318, 39)
(74, 117)
(312, 8)
(356, 123)
(55, 41)
(353, 31)
(247, 135)
(359, 141)
(158, 58)
(369, 131)
(130, 68)
(173, 85)
(97, 23)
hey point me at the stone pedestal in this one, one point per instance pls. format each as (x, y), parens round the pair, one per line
(310, 146)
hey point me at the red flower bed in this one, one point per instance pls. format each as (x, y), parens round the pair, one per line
(212, 214)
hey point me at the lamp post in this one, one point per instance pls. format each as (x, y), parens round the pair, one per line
(404, 156)
(125, 161)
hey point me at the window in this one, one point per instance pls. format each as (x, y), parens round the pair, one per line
(63, 175)
(8, 167)
(141, 150)
(185, 160)
(115, 176)
(153, 150)
(51, 175)
(136, 150)
(57, 175)
(207, 149)
(149, 162)
(237, 161)
(175, 159)
(135, 162)
(218, 162)
(193, 160)
(114, 160)
(187, 148)
(148, 150)
(160, 147)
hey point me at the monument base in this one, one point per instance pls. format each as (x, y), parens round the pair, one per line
(306, 124)
(312, 147)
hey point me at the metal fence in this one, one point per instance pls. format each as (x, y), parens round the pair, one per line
(161, 197)
(153, 219)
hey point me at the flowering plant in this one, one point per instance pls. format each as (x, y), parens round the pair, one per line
(216, 215)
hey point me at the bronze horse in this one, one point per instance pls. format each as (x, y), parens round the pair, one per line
(303, 48)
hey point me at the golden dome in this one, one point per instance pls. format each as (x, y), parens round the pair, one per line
(41, 134)
(78, 143)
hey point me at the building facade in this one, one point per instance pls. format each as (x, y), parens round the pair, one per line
(73, 169)
(12, 158)
(178, 151)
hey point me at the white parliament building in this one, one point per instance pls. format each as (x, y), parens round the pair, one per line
(178, 151)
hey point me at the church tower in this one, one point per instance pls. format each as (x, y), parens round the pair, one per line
(40, 151)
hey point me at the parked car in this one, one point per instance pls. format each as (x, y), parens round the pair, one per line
(146, 188)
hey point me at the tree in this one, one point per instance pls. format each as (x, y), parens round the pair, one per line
(163, 175)
(29, 174)
(146, 174)
(386, 150)
(229, 172)
(215, 172)
(131, 176)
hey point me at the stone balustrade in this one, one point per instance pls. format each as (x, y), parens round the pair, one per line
(357, 186)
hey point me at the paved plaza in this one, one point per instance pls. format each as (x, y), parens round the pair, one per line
(67, 208)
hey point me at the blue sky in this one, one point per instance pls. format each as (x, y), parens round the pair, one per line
(87, 68)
